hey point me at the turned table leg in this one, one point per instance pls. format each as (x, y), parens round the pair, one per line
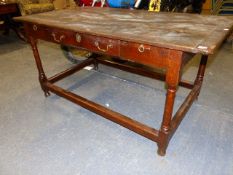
(172, 80)
(201, 71)
(42, 77)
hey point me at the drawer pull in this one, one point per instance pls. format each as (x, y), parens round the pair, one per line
(103, 50)
(78, 38)
(34, 27)
(141, 48)
(60, 38)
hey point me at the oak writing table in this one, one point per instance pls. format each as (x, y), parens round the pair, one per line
(157, 40)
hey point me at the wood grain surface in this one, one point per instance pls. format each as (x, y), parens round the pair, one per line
(186, 32)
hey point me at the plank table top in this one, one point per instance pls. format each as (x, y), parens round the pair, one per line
(180, 31)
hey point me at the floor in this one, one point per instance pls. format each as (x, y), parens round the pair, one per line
(51, 136)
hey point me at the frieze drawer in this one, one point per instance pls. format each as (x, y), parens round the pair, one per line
(143, 53)
(100, 44)
(59, 36)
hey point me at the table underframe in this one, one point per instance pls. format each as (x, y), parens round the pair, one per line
(172, 78)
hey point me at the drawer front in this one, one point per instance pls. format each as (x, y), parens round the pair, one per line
(92, 43)
(144, 54)
(101, 45)
(55, 35)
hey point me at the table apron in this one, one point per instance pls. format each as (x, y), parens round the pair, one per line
(135, 52)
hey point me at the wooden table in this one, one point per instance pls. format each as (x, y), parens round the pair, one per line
(157, 40)
(7, 12)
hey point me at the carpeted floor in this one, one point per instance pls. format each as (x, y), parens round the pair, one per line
(51, 136)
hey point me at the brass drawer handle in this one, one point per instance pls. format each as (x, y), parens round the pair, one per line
(78, 38)
(59, 39)
(141, 48)
(34, 27)
(103, 50)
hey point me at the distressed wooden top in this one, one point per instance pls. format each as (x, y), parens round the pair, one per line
(187, 32)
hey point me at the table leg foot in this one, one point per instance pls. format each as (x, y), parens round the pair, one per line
(163, 143)
(161, 152)
(46, 93)
(96, 65)
(44, 88)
